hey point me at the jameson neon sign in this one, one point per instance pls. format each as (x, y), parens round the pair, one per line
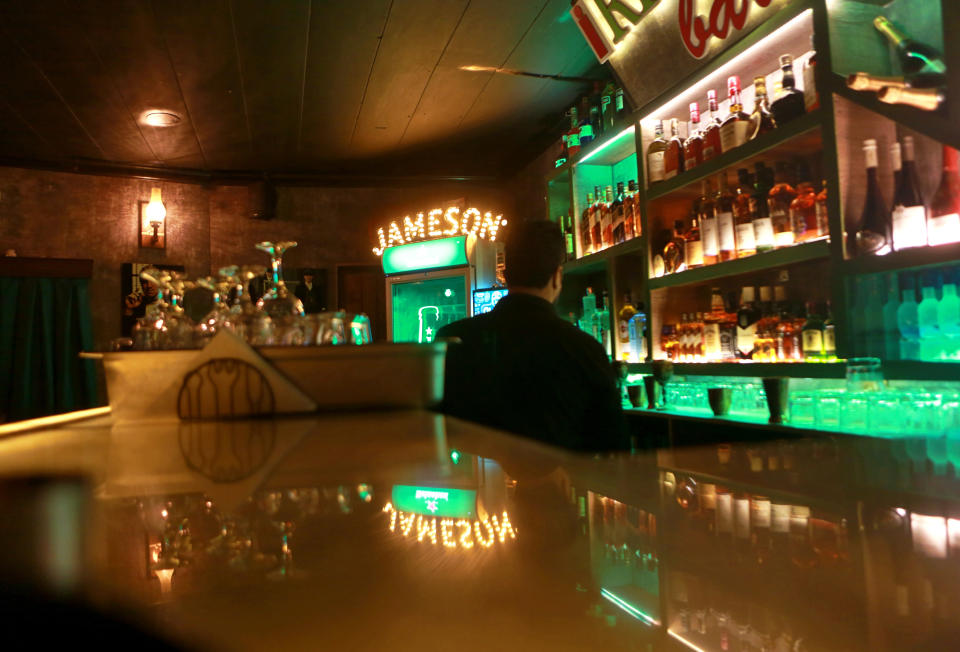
(439, 223)
(605, 23)
(461, 534)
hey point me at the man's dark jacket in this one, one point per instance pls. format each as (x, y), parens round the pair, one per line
(523, 369)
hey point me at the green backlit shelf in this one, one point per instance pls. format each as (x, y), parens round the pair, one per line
(905, 259)
(609, 150)
(781, 136)
(593, 263)
(758, 262)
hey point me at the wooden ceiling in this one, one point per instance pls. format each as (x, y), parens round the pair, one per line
(309, 87)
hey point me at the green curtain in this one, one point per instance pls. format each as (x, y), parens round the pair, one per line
(44, 324)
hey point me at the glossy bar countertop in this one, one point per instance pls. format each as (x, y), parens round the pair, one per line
(409, 530)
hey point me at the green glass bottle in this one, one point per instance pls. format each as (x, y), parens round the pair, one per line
(930, 345)
(907, 319)
(948, 315)
(891, 334)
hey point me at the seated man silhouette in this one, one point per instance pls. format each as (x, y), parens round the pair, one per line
(522, 368)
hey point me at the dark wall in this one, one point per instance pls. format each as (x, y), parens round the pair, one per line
(53, 214)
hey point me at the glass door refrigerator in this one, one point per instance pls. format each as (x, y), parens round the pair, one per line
(430, 284)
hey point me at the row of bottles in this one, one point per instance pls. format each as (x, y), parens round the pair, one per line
(767, 209)
(632, 331)
(595, 319)
(912, 222)
(907, 315)
(773, 329)
(668, 157)
(609, 218)
(628, 538)
(600, 113)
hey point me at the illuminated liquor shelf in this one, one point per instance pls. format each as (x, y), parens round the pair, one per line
(598, 261)
(801, 136)
(905, 259)
(758, 262)
(750, 369)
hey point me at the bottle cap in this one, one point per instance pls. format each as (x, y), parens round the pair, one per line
(733, 84)
(694, 112)
(786, 60)
(870, 142)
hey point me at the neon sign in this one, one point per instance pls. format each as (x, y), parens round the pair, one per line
(432, 501)
(439, 224)
(451, 533)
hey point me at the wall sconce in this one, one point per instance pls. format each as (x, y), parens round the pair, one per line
(153, 222)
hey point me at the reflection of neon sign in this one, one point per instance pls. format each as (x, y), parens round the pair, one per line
(459, 533)
(432, 501)
(427, 334)
(439, 224)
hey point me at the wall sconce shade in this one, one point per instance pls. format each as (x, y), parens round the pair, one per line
(152, 222)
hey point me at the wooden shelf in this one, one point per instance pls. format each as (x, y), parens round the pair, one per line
(905, 259)
(598, 262)
(933, 124)
(919, 370)
(610, 150)
(767, 260)
(741, 155)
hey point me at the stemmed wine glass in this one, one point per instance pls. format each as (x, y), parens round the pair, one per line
(662, 373)
(220, 316)
(165, 325)
(285, 309)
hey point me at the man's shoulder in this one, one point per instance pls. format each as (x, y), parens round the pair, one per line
(464, 326)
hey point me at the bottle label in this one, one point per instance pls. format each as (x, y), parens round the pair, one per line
(811, 99)
(586, 133)
(570, 248)
(619, 100)
(693, 253)
(656, 166)
(711, 239)
(812, 341)
(745, 339)
(728, 342)
(745, 238)
(830, 339)
(763, 233)
(733, 134)
(573, 140)
(725, 237)
(760, 513)
(823, 221)
(623, 332)
(909, 227)
(781, 518)
(711, 341)
(943, 229)
(742, 518)
(725, 513)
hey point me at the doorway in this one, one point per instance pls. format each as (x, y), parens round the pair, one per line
(360, 288)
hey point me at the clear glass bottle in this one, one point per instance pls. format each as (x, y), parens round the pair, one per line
(673, 252)
(779, 199)
(812, 334)
(908, 319)
(673, 158)
(656, 153)
(931, 347)
(693, 245)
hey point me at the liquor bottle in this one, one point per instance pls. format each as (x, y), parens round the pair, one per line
(747, 317)
(927, 323)
(803, 212)
(637, 327)
(603, 319)
(630, 218)
(693, 145)
(873, 235)
(948, 314)
(922, 65)
(563, 155)
(765, 344)
(656, 153)
(871, 315)
(668, 342)
(829, 336)
(596, 234)
(925, 99)
(608, 108)
(586, 127)
(862, 81)
(760, 519)
(673, 252)
(724, 209)
(762, 222)
(896, 164)
(743, 215)
(734, 128)
(696, 338)
(891, 333)
(707, 216)
(683, 338)
(693, 245)
(619, 107)
(573, 134)
(789, 105)
(568, 237)
(789, 346)
(823, 216)
(943, 225)
(811, 98)
(673, 157)
(711, 327)
(637, 217)
(586, 247)
(780, 198)
(606, 217)
(724, 517)
(908, 319)
(712, 147)
(741, 526)
(812, 334)
(627, 311)
(909, 212)
(619, 228)
(761, 120)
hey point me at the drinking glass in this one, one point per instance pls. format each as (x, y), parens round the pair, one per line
(828, 410)
(663, 372)
(276, 301)
(854, 412)
(802, 409)
(864, 375)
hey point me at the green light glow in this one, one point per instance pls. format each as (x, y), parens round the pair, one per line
(435, 501)
(455, 456)
(431, 254)
(630, 609)
(629, 130)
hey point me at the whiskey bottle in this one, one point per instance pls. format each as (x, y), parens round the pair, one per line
(693, 245)
(673, 157)
(761, 120)
(655, 156)
(673, 252)
(743, 214)
(637, 217)
(712, 147)
(735, 127)
(789, 346)
(596, 234)
(709, 235)
(693, 146)
(789, 105)
(812, 334)
(586, 216)
(780, 198)
(619, 228)
(747, 318)
(759, 205)
(629, 218)
(724, 209)
(606, 217)
(823, 216)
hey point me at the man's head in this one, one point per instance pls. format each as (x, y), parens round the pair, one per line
(308, 278)
(534, 255)
(149, 287)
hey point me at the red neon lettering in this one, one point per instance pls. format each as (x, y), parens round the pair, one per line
(589, 30)
(695, 31)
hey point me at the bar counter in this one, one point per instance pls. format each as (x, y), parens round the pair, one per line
(410, 530)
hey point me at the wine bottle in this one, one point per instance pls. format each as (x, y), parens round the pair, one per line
(789, 105)
(655, 155)
(734, 128)
(943, 225)
(708, 224)
(862, 81)
(724, 209)
(747, 317)
(922, 65)
(909, 213)
(760, 206)
(926, 99)
(873, 235)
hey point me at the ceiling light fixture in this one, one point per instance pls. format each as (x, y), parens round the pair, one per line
(159, 118)
(526, 73)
